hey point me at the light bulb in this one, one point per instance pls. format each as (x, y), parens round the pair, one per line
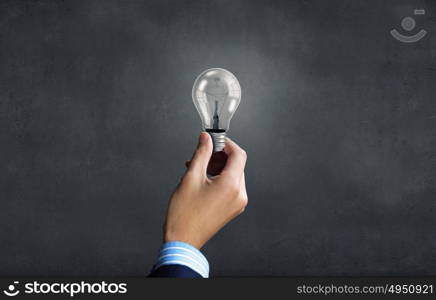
(216, 94)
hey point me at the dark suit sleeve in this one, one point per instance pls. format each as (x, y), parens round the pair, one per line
(174, 271)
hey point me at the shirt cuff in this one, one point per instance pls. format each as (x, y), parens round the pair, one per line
(179, 253)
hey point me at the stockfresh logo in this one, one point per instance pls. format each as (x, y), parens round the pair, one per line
(12, 289)
(66, 288)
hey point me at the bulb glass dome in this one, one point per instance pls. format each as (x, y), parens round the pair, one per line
(216, 95)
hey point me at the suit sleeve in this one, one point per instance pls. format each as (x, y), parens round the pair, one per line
(174, 271)
(180, 260)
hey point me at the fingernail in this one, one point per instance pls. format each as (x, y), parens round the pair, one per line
(202, 138)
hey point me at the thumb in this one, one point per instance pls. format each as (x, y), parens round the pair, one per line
(202, 155)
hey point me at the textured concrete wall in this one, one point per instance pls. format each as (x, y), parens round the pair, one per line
(338, 119)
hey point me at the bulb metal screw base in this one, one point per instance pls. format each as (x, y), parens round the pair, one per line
(219, 140)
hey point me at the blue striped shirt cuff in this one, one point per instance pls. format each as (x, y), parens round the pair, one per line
(179, 253)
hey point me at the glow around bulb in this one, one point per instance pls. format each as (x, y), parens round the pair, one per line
(216, 94)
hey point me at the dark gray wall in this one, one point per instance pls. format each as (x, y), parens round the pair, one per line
(338, 119)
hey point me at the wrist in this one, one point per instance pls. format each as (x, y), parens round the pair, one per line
(171, 236)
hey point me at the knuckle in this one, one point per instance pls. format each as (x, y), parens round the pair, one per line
(243, 153)
(243, 202)
(240, 205)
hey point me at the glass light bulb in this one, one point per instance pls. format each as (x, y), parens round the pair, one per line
(216, 94)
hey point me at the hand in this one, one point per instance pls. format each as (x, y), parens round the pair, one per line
(202, 205)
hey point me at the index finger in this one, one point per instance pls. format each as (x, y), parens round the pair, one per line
(236, 159)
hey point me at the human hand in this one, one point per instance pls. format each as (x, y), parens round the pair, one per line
(202, 205)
